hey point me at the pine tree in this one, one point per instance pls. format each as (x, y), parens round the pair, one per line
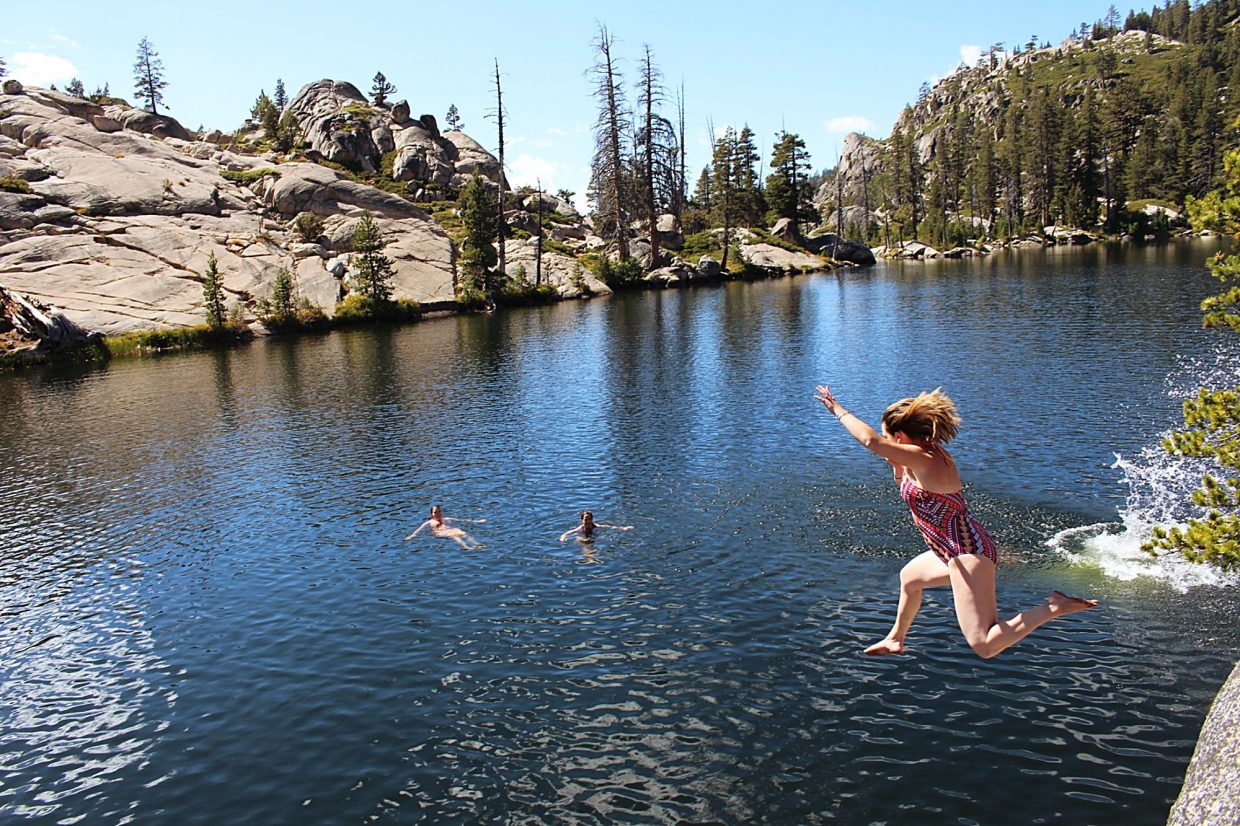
(788, 191)
(702, 192)
(4, 70)
(726, 192)
(148, 77)
(283, 306)
(280, 99)
(267, 115)
(287, 133)
(372, 270)
(213, 295)
(745, 175)
(453, 119)
(1212, 419)
(478, 254)
(74, 87)
(381, 89)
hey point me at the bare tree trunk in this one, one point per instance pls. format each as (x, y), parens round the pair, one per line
(682, 181)
(616, 160)
(865, 200)
(648, 81)
(501, 225)
(538, 251)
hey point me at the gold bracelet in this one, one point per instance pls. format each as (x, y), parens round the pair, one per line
(842, 415)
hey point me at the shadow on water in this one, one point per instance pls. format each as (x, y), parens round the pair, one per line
(211, 613)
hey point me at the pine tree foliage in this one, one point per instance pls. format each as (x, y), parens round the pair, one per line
(381, 90)
(213, 295)
(74, 87)
(372, 270)
(148, 77)
(4, 69)
(1070, 135)
(1212, 418)
(280, 98)
(478, 254)
(266, 114)
(788, 190)
(453, 119)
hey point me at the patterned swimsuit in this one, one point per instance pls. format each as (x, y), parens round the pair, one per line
(946, 524)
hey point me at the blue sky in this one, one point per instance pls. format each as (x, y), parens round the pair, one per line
(819, 69)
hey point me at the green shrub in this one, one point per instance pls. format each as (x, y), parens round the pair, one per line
(11, 184)
(246, 177)
(519, 293)
(614, 273)
(360, 110)
(308, 227)
(470, 298)
(357, 308)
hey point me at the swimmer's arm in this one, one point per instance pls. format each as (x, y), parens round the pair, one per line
(418, 531)
(458, 519)
(564, 536)
(614, 527)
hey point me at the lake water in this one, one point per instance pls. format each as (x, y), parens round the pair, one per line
(210, 614)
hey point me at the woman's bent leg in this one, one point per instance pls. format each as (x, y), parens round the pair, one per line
(925, 571)
(973, 586)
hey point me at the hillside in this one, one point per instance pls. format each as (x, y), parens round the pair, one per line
(1085, 134)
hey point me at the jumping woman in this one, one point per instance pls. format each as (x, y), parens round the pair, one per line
(962, 554)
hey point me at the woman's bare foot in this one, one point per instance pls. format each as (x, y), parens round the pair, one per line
(887, 646)
(1061, 604)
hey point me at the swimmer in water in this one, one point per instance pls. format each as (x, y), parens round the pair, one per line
(961, 553)
(585, 531)
(438, 523)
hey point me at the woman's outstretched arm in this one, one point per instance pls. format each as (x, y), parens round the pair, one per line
(614, 527)
(899, 454)
(564, 536)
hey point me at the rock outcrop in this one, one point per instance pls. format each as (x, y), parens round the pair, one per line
(1211, 793)
(111, 213)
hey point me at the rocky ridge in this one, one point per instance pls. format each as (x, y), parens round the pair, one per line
(109, 214)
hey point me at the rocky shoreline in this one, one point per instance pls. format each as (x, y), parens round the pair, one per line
(109, 214)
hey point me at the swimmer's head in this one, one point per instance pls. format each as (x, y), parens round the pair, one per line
(587, 517)
(436, 512)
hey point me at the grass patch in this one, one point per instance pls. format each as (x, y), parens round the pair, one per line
(200, 337)
(248, 176)
(360, 110)
(11, 184)
(358, 309)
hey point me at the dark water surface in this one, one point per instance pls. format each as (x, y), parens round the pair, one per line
(209, 614)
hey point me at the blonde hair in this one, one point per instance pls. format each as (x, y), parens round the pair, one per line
(928, 417)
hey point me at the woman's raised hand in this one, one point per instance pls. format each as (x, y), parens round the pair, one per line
(827, 398)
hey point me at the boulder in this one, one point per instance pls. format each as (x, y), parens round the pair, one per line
(839, 249)
(139, 120)
(1211, 791)
(708, 267)
(106, 124)
(399, 113)
(467, 155)
(778, 259)
(12, 86)
(307, 187)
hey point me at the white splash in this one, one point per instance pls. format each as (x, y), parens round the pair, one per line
(1159, 489)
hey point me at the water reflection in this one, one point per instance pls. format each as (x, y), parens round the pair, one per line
(211, 614)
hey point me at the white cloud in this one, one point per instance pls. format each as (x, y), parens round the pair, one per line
(970, 54)
(850, 123)
(38, 69)
(558, 132)
(528, 170)
(63, 40)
